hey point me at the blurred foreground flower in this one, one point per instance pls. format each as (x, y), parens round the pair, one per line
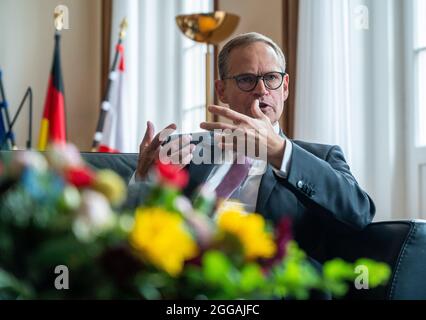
(62, 157)
(59, 211)
(171, 175)
(27, 160)
(249, 228)
(94, 215)
(111, 185)
(160, 237)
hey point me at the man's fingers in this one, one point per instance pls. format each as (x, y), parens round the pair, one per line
(150, 130)
(148, 137)
(210, 126)
(178, 143)
(162, 136)
(228, 113)
(255, 110)
(187, 160)
(180, 156)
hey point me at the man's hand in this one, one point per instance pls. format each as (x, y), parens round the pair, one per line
(179, 151)
(257, 131)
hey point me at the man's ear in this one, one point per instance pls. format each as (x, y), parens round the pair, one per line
(220, 90)
(285, 86)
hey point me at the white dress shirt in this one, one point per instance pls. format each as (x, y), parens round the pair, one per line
(248, 190)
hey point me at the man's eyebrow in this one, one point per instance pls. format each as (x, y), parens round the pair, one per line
(257, 73)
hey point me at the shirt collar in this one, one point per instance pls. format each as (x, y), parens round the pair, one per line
(276, 127)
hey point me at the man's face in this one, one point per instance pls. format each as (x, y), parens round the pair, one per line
(257, 58)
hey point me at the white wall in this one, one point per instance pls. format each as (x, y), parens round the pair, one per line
(26, 55)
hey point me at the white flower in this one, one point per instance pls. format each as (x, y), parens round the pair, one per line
(64, 156)
(200, 223)
(27, 159)
(184, 205)
(94, 216)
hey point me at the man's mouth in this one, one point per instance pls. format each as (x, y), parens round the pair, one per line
(263, 106)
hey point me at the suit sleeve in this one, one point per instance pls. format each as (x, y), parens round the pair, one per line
(328, 187)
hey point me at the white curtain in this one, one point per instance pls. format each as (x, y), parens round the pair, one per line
(350, 91)
(157, 63)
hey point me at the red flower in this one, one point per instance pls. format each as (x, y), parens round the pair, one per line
(172, 175)
(80, 176)
(283, 234)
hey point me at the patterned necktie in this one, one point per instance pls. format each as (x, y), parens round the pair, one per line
(233, 179)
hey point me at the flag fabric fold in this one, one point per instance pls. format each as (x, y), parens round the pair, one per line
(53, 124)
(113, 135)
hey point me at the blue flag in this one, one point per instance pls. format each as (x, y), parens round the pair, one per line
(4, 141)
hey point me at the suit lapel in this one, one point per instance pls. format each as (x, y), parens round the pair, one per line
(266, 187)
(198, 175)
(267, 184)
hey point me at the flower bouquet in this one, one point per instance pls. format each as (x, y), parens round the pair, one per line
(55, 211)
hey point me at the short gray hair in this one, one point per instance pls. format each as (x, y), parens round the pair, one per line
(243, 40)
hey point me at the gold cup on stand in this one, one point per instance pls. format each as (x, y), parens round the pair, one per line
(211, 29)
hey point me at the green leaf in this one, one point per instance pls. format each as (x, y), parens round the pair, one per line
(12, 288)
(251, 278)
(216, 267)
(338, 270)
(295, 276)
(154, 285)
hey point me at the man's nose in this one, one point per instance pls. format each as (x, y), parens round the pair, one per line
(260, 89)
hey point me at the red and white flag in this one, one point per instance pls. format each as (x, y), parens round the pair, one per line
(114, 135)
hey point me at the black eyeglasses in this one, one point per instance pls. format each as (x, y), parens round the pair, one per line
(248, 81)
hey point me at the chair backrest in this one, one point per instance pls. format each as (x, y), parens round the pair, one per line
(400, 244)
(122, 163)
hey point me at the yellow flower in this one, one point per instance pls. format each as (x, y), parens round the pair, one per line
(111, 185)
(249, 229)
(160, 237)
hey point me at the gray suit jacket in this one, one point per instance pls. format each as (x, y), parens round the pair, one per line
(320, 195)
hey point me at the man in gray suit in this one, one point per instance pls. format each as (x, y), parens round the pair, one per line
(310, 183)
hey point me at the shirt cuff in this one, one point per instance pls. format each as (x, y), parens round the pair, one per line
(285, 165)
(132, 179)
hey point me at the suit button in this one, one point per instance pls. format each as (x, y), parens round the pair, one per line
(300, 184)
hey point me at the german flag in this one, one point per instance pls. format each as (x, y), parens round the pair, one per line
(53, 124)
